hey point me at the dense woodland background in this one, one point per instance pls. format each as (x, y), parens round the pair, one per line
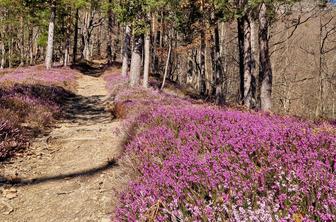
(270, 55)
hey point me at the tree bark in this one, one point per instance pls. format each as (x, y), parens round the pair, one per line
(49, 53)
(22, 45)
(247, 97)
(110, 30)
(147, 59)
(10, 52)
(254, 57)
(161, 29)
(67, 40)
(136, 60)
(31, 46)
(74, 51)
(2, 42)
(240, 29)
(3, 59)
(265, 74)
(2, 48)
(125, 52)
(218, 68)
(167, 65)
(202, 82)
(86, 34)
(154, 44)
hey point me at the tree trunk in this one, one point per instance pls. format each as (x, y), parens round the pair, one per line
(147, 59)
(110, 30)
(240, 29)
(10, 52)
(167, 65)
(3, 52)
(86, 50)
(247, 97)
(136, 61)
(320, 104)
(161, 29)
(218, 68)
(202, 82)
(31, 46)
(67, 40)
(265, 75)
(49, 53)
(254, 56)
(2, 46)
(74, 51)
(67, 49)
(22, 45)
(125, 52)
(154, 44)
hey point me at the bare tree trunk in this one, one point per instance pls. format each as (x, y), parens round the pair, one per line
(136, 61)
(254, 57)
(320, 103)
(10, 52)
(74, 52)
(49, 53)
(3, 52)
(218, 68)
(240, 29)
(154, 61)
(67, 49)
(110, 30)
(2, 63)
(265, 75)
(86, 50)
(161, 29)
(202, 82)
(125, 52)
(147, 59)
(167, 65)
(249, 62)
(31, 46)
(2, 43)
(22, 45)
(67, 39)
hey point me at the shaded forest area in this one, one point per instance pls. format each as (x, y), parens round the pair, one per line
(266, 55)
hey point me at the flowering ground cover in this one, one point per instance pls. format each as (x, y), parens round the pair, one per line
(197, 162)
(30, 99)
(33, 74)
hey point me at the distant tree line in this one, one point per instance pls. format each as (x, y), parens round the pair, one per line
(220, 48)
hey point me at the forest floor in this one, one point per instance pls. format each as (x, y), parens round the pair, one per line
(58, 179)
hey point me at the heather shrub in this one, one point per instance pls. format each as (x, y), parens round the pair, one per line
(64, 77)
(11, 139)
(30, 100)
(198, 163)
(207, 164)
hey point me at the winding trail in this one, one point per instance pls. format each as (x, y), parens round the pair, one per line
(69, 174)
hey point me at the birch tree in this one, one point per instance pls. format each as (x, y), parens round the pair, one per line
(50, 46)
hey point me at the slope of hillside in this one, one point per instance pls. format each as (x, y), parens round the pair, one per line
(195, 162)
(31, 99)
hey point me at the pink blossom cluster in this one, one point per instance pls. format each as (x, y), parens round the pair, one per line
(198, 163)
(39, 74)
(11, 138)
(29, 101)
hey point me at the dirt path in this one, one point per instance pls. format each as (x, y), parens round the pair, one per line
(69, 175)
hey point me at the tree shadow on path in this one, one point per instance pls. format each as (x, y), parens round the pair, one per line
(75, 109)
(84, 173)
